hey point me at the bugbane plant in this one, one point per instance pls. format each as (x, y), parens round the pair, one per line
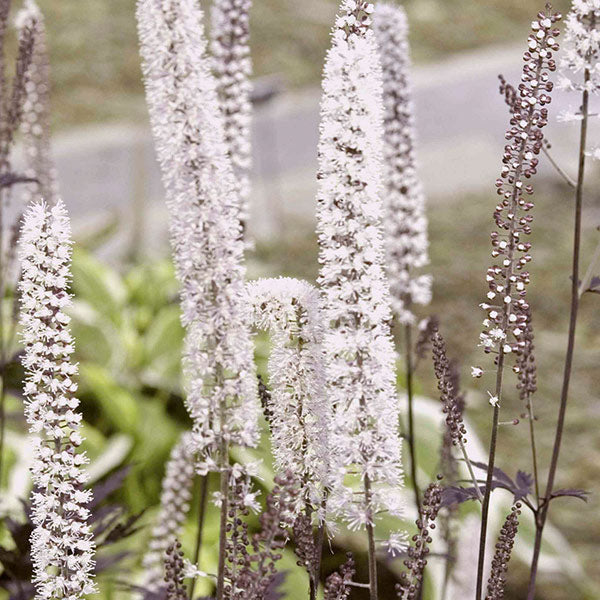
(359, 350)
(62, 548)
(175, 500)
(405, 219)
(203, 203)
(35, 125)
(506, 305)
(299, 414)
(230, 36)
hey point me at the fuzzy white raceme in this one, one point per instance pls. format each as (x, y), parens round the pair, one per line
(62, 548)
(233, 67)
(581, 47)
(175, 499)
(360, 353)
(290, 311)
(405, 221)
(204, 225)
(35, 126)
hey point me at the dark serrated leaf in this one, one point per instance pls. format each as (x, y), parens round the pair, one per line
(454, 494)
(524, 485)
(573, 493)
(274, 590)
(123, 530)
(498, 473)
(111, 484)
(520, 487)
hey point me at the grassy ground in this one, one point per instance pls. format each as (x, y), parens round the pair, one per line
(96, 75)
(459, 230)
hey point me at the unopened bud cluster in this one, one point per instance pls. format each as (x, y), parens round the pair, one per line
(449, 394)
(410, 584)
(504, 546)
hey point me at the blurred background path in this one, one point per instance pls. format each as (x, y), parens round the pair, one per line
(109, 172)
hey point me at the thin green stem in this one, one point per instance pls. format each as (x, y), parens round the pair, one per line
(2, 415)
(316, 575)
(411, 422)
(200, 527)
(371, 542)
(564, 396)
(223, 521)
(485, 508)
(471, 472)
(534, 459)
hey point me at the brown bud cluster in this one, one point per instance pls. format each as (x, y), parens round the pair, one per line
(411, 581)
(525, 366)
(337, 584)
(250, 565)
(452, 401)
(175, 588)
(506, 540)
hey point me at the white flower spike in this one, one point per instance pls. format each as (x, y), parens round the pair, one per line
(359, 350)
(300, 414)
(203, 203)
(230, 33)
(405, 220)
(62, 548)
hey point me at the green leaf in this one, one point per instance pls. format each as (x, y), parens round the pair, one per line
(100, 286)
(163, 343)
(117, 404)
(96, 337)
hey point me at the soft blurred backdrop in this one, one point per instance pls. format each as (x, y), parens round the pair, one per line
(126, 313)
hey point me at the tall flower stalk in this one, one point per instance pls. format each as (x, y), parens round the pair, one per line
(230, 48)
(506, 304)
(62, 548)
(405, 220)
(582, 58)
(203, 201)
(357, 341)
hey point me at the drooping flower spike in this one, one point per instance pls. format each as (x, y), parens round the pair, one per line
(203, 203)
(62, 548)
(299, 414)
(356, 300)
(405, 220)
